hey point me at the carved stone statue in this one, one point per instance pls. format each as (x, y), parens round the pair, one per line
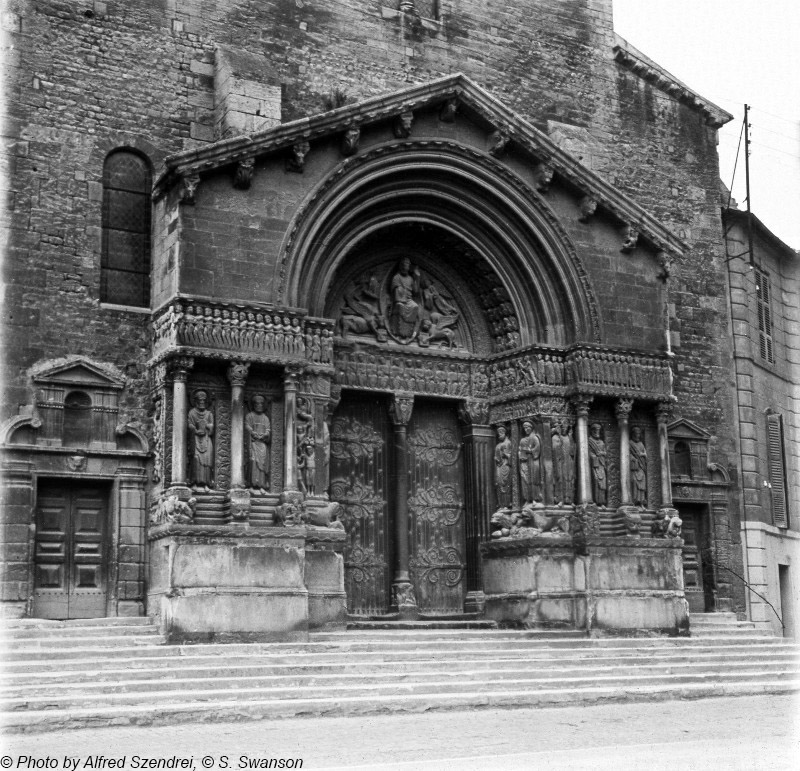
(307, 467)
(530, 468)
(361, 312)
(259, 433)
(405, 291)
(201, 430)
(598, 463)
(638, 454)
(502, 469)
(563, 447)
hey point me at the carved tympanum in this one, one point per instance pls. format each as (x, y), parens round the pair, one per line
(405, 306)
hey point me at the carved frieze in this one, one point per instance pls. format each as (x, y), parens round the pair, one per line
(433, 375)
(236, 332)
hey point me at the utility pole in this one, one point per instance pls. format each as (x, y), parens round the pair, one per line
(747, 183)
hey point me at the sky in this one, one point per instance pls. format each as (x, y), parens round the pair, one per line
(734, 52)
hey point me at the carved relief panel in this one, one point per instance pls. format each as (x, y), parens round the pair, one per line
(263, 433)
(360, 483)
(643, 425)
(436, 508)
(400, 303)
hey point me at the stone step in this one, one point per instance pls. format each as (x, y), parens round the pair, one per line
(45, 623)
(233, 709)
(176, 693)
(9, 636)
(64, 643)
(244, 666)
(322, 661)
(193, 680)
(408, 647)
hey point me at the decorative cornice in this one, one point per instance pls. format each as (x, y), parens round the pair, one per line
(645, 68)
(496, 117)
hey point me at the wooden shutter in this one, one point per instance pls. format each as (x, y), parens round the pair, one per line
(777, 470)
(763, 300)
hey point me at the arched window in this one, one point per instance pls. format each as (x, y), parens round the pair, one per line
(125, 264)
(77, 419)
(683, 459)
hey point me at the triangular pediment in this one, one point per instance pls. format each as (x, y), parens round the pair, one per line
(79, 371)
(685, 429)
(515, 134)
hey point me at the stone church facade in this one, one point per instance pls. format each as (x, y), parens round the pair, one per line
(373, 309)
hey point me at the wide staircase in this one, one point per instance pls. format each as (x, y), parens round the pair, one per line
(119, 672)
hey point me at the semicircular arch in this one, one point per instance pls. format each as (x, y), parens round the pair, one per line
(462, 192)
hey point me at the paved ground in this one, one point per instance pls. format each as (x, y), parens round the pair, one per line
(749, 732)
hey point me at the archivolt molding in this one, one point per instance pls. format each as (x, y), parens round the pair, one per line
(537, 225)
(10, 426)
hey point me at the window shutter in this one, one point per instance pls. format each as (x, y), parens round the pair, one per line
(764, 317)
(777, 470)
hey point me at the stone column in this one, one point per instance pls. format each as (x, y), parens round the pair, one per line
(582, 440)
(630, 516)
(238, 495)
(478, 437)
(403, 596)
(290, 430)
(180, 411)
(663, 415)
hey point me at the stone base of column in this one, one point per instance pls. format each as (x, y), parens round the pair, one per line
(238, 505)
(667, 523)
(181, 492)
(632, 517)
(475, 602)
(404, 600)
(291, 509)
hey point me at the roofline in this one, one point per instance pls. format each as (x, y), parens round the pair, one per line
(642, 65)
(380, 108)
(740, 216)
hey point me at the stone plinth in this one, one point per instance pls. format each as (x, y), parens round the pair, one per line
(324, 577)
(618, 587)
(232, 583)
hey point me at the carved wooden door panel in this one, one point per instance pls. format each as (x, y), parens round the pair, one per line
(70, 551)
(436, 508)
(360, 483)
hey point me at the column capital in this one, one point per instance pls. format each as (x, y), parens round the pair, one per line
(664, 410)
(401, 408)
(237, 373)
(179, 367)
(622, 409)
(291, 374)
(474, 412)
(582, 402)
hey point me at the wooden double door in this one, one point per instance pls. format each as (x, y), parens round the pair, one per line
(365, 464)
(70, 555)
